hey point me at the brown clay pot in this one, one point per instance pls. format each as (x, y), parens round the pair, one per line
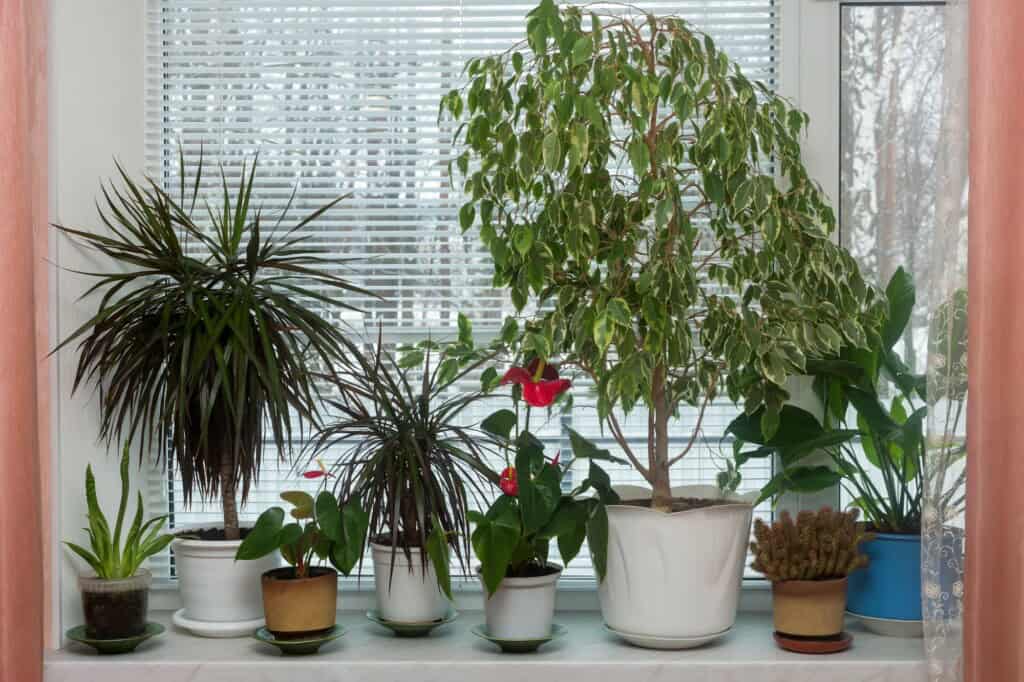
(300, 607)
(809, 608)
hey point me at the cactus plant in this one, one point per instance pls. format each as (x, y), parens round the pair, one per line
(821, 545)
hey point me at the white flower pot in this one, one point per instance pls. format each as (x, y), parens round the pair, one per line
(673, 580)
(522, 608)
(407, 594)
(221, 597)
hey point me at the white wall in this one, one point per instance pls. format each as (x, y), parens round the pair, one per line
(96, 102)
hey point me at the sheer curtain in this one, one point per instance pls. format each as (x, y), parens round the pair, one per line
(945, 462)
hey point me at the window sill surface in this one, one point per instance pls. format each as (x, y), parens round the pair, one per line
(368, 653)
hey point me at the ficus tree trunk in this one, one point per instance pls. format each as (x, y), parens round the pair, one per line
(657, 453)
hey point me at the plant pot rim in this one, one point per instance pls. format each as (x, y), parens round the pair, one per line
(797, 587)
(531, 581)
(895, 537)
(198, 542)
(316, 573)
(139, 581)
(730, 501)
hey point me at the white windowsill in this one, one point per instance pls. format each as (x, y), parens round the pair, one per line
(368, 653)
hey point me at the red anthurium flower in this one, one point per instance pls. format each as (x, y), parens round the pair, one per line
(317, 473)
(554, 460)
(508, 482)
(537, 393)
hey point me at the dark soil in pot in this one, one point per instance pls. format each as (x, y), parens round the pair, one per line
(115, 615)
(680, 503)
(532, 571)
(210, 534)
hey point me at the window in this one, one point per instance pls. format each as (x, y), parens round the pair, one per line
(341, 97)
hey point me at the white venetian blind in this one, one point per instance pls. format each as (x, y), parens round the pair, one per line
(341, 97)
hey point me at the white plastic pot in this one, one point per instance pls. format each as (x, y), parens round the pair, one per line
(222, 597)
(522, 608)
(673, 580)
(407, 594)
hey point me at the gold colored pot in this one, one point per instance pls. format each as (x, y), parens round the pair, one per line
(299, 607)
(809, 608)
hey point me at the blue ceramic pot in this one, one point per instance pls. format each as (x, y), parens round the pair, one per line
(890, 587)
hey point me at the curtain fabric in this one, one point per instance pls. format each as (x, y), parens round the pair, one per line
(23, 211)
(994, 585)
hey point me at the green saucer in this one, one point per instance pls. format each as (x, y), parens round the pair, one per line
(519, 646)
(411, 629)
(114, 646)
(300, 647)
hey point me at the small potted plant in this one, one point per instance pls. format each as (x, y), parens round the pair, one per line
(300, 599)
(616, 169)
(872, 431)
(808, 562)
(399, 443)
(208, 336)
(512, 538)
(115, 599)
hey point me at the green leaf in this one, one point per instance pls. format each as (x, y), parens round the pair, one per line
(465, 330)
(552, 152)
(597, 540)
(264, 537)
(328, 516)
(582, 448)
(500, 423)
(466, 216)
(581, 50)
(523, 240)
(640, 158)
(901, 295)
(494, 543)
(602, 331)
(618, 312)
(437, 550)
(800, 479)
(301, 501)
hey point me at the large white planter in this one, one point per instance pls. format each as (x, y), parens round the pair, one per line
(222, 597)
(407, 594)
(522, 608)
(673, 580)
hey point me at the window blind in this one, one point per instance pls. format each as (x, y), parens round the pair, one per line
(341, 97)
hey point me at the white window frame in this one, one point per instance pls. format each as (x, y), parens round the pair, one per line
(97, 114)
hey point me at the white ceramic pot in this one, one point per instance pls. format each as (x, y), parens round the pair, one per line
(407, 594)
(673, 580)
(221, 597)
(522, 608)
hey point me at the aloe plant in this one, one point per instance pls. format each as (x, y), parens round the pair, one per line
(108, 557)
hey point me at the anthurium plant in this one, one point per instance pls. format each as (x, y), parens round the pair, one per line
(872, 428)
(321, 530)
(651, 201)
(513, 537)
(107, 556)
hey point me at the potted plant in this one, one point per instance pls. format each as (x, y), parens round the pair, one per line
(808, 563)
(512, 538)
(617, 170)
(115, 599)
(872, 431)
(398, 443)
(207, 337)
(300, 600)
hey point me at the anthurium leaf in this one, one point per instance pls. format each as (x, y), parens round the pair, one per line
(354, 523)
(795, 426)
(437, 550)
(301, 501)
(583, 448)
(572, 531)
(901, 294)
(499, 423)
(597, 539)
(494, 542)
(800, 479)
(264, 537)
(328, 516)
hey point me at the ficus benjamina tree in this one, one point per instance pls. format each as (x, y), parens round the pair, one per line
(651, 200)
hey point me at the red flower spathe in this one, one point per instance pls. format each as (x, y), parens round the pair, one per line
(508, 482)
(537, 393)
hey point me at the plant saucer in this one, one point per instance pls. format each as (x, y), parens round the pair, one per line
(411, 628)
(519, 646)
(114, 646)
(814, 645)
(300, 646)
(890, 627)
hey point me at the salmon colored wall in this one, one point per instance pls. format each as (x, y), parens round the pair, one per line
(994, 591)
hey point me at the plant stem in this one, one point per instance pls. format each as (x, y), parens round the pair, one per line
(227, 499)
(661, 493)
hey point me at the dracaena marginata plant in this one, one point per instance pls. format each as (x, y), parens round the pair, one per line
(872, 428)
(398, 440)
(106, 555)
(208, 329)
(651, 199)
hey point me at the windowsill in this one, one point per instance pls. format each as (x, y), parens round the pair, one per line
(452, 654)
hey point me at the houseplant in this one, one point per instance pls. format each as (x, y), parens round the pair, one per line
(115, 599)
(398, 443)
(808, 563)
(512, 538)
(617, 171)
(872, 431)
(207, 337)
(300, 600)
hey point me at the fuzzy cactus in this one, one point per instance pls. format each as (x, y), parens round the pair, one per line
(818, 546)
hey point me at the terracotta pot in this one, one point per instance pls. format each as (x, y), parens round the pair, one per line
(809, 608)
(299, 607)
